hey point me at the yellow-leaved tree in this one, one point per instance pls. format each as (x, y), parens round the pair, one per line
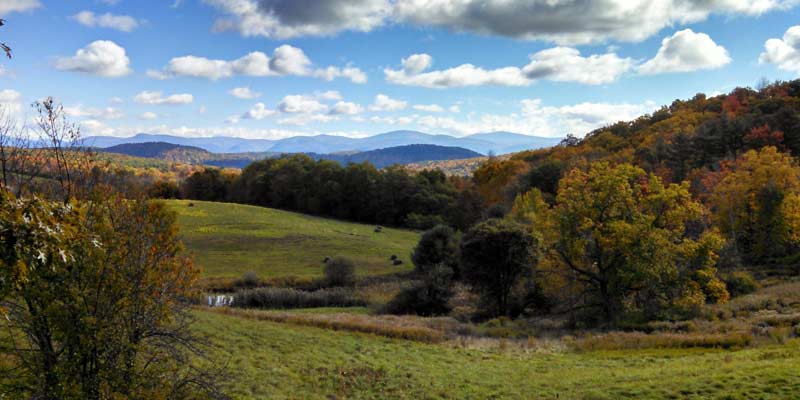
(621, 242)
(756, 203)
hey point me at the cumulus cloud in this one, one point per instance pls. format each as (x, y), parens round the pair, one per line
(573, 22)
(566, 22)
(157, 98)
(285, 60)
(10, 102)
(106, 113)
(354, 74)
(9, 6)
(535, 118)
(305, 119)
(102, 58)
(292, 18)
(301, 104)
(563, 64)
(258, 112)
(244, 93)
(385, 103)
(566, 64)
(785, 52)
(346, 108)
(434, 108)
(148, 116)
(416, 63)
(332, 95)
(686, 51)
(122, 23)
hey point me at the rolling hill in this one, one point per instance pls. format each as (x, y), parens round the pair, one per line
(228, 240)
(401, 155)
(484, 143)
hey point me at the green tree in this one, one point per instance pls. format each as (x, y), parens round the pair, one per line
(495, 255)
(437, 246)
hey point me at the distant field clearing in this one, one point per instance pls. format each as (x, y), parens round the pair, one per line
(228, 240)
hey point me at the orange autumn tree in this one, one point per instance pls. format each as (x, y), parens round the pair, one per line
(756, 203)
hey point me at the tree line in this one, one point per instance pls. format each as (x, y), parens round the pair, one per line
(357, 192)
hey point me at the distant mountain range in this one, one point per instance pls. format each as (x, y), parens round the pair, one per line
(483, 143)
(380, 157)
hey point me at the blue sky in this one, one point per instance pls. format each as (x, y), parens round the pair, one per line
(279, 68)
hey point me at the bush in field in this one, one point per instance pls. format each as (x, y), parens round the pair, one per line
(339, 271)
(740, 283)
(495, 255)
(431, 297)
(269, 297)
(438, 245)
(249, 279)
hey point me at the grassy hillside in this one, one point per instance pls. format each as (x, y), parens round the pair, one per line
(228, 240)
(280, 361)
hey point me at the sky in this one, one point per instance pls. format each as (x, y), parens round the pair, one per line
(280, 68)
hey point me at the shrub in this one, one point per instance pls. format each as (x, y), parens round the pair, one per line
(740, 283)
(430, 297)
(249, 280)
(340, 271)
(269, 297)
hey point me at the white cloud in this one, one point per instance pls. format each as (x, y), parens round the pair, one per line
(355, 75)
(686, 51)
(305, 119)
(416, 63)
(148, 116)
(10, 102)
(106, 113)
(244, 93)
(122, 23)
(785, 53)
(558, 64)
(301, 104)
(455, 109)
(286, 60)
(292, 18)
(258, 112)
(102, 58)
(9, 6)
(332, 95)
(147, 97)
(534, 118)
(565, 64)
(434, 108)
(346, 108)
(386, 103)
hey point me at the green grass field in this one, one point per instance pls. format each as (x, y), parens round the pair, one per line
(228, 240)
(282, 361)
